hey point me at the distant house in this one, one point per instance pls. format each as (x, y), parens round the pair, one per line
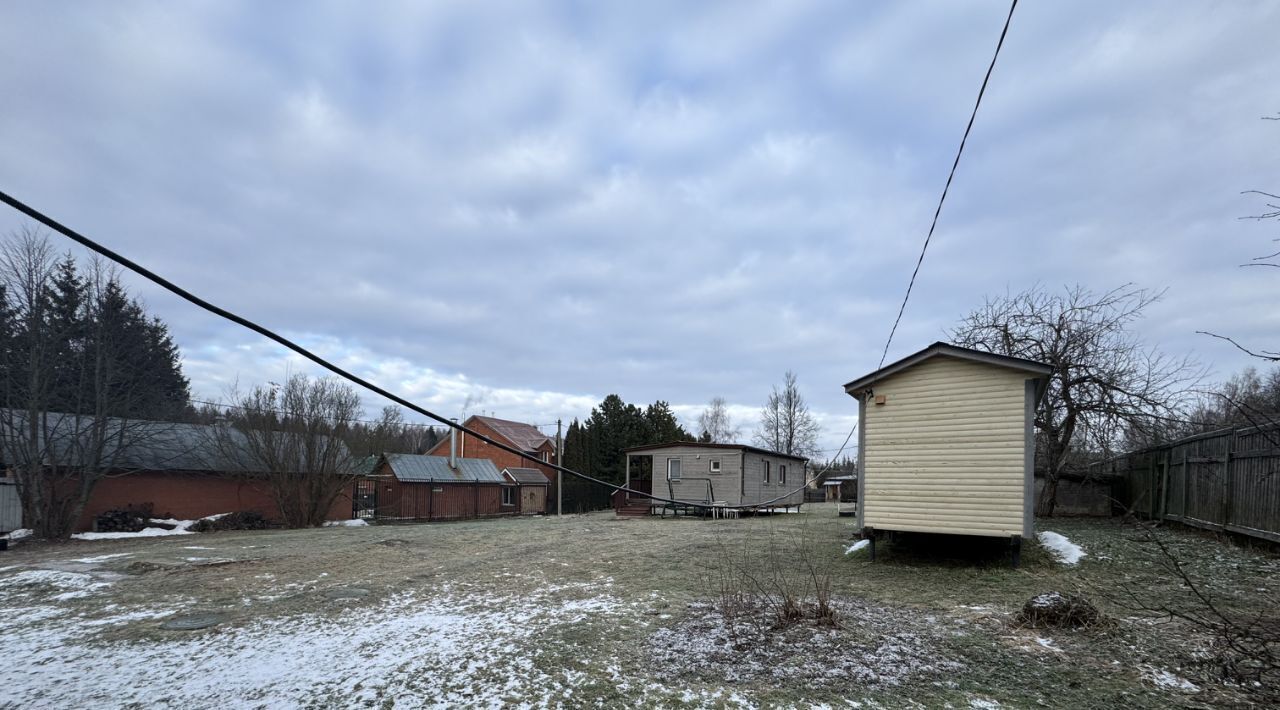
(531, 487)
(186, 471)
(539, 449)
(732, 474)
(945, 443)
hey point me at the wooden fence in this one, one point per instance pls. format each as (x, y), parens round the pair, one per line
(1224, 480)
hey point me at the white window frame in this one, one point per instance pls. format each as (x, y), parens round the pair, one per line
(679, 468)
(713, 465)
(766, 471)
(509, 492)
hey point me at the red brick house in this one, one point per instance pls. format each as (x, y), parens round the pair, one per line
(179, 470)
(539, 448)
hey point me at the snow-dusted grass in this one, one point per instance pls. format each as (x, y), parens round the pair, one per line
(450, 650)
(588, 611)
(1063, 550)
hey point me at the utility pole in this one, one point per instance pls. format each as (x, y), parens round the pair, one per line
(559, 474)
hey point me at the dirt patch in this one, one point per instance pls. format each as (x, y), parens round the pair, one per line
(872, 645)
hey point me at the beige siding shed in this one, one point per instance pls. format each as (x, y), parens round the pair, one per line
(946, 443)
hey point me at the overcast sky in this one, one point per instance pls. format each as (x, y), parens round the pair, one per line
(535, 205)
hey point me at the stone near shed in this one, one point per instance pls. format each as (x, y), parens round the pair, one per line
(346, 593)
(194, 622)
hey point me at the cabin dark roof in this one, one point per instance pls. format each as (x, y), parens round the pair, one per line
(527, 476)
(705, 445)
(525, 437)
(941, 349)
(417, 468)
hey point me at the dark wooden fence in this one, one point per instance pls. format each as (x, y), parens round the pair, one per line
(1224, 480)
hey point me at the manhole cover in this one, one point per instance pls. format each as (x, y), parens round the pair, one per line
(346, 593)
(193, 622)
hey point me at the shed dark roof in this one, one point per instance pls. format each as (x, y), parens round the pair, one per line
(705, 445)
(143, 445)
(941, 349)
(527, 476)
(525, 437)
(416, 468)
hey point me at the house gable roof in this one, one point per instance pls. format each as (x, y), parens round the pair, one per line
(941, 349)
(525, 437)
(526, 476)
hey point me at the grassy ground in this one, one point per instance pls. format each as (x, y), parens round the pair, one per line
(590, 610)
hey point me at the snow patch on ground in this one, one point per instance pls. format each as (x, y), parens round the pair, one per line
(19, 534)
(448, 650)
(180, 528)
(1065, 551)
(856, 546)
(102, 558)
(71, 585)
(1165, 679)
(356, 523)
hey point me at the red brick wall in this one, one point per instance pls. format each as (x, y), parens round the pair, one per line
(473, 448)
(187, 496)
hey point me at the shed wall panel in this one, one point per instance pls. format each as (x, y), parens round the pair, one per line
(946, 451)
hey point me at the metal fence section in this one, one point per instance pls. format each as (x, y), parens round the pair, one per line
(1223, 480)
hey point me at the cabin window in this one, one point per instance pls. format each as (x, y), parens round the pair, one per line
(673, 469)
(766, 471)
(715, 465)
(545, 456)
(508, 495)
(782, 474)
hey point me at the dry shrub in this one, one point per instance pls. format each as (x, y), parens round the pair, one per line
(1055, 610)
(781, 575)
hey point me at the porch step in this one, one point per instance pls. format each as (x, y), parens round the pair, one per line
(634, 509)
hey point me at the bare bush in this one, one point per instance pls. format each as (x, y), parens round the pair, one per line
(784, 578)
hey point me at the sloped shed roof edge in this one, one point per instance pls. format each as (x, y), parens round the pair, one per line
(527, 476)
(949, 350)
(435, 469)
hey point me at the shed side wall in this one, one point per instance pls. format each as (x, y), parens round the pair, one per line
(946, 452)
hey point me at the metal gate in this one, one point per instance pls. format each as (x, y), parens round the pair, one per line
(364, 500)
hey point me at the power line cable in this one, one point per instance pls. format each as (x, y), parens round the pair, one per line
(950, 176)
(928, 237)
(276, 337)
(289, 344)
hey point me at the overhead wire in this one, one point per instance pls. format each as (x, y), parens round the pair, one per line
(928, 237)
(376, 389)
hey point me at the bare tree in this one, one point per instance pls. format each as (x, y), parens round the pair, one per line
(1106, 384)
(74, 383)
(716, 425)
(292, 438)
(786, 424)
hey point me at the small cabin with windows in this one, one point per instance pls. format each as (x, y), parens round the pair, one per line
(946, 445)
(707, 474)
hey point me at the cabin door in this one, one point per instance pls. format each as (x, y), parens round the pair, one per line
(641, 475)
